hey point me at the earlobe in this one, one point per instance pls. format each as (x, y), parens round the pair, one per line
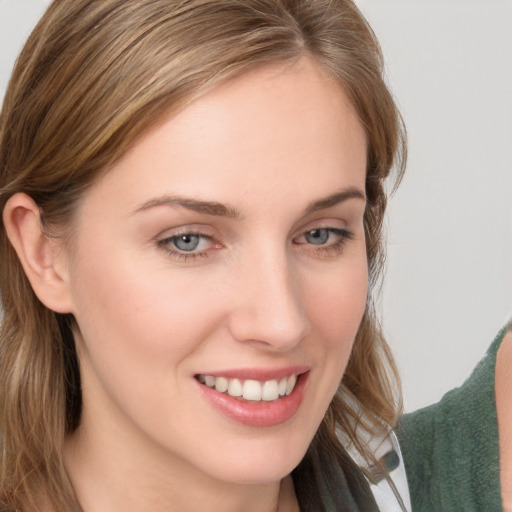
(41, 256)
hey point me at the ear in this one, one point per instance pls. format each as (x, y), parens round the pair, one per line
(43, 259)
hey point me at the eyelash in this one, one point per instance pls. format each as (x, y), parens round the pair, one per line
(334, 249)
(168, 245)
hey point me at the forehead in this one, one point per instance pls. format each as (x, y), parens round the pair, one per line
(286, 126)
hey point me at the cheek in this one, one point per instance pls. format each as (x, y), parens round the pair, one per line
(140, 319)
(138, 332)
(337, 302)
(338, 312)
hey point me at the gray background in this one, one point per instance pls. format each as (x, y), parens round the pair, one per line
(448, 287)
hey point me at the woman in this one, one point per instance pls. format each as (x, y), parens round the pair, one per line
(187, 250)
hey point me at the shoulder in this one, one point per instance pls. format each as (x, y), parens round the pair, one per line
(504, 412)
(451, 448)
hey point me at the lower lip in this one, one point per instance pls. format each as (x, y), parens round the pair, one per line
(258, 414)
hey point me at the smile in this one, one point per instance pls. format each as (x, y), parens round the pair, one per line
(253, 390)
(256, 397)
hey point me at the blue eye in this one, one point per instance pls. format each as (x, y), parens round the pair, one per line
(186, 243)
(324, 242)
(317, 236)
(187, 246)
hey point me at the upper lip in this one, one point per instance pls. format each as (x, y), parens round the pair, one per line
(260, 374)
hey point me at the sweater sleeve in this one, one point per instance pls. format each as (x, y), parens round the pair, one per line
(451, 449)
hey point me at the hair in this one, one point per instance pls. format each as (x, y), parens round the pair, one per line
(92, 78)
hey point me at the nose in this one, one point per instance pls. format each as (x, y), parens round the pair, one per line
(269, 303)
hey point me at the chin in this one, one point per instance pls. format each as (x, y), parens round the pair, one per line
(260, 463)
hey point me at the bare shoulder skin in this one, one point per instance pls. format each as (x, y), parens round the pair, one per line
(504, 410)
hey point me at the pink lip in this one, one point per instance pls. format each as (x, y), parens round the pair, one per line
(257, 414)
(260, 374)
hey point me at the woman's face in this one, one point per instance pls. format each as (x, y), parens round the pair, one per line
(224, 255)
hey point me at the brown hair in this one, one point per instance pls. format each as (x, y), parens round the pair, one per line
(94, 76)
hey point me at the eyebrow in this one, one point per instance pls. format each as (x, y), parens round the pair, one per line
(223, 210)
(336, 198)
(207, 207)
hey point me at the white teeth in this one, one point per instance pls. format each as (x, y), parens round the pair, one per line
(254, 390)
(291, 384)
(235, 388)
(209, 381)
(282, 386)
(270, 391)
(251, 390)
(221, 384)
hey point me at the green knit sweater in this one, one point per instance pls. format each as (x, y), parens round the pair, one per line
(451, 450)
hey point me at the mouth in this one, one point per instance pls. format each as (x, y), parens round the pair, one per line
(249, 389)
(256, 398)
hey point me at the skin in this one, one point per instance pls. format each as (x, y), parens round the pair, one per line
(256, 294)
(504, 412)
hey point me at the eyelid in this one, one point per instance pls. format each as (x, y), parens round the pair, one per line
(321, 223)
(331, 249)
(165, 241)
(341, 232)
(186, 229)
